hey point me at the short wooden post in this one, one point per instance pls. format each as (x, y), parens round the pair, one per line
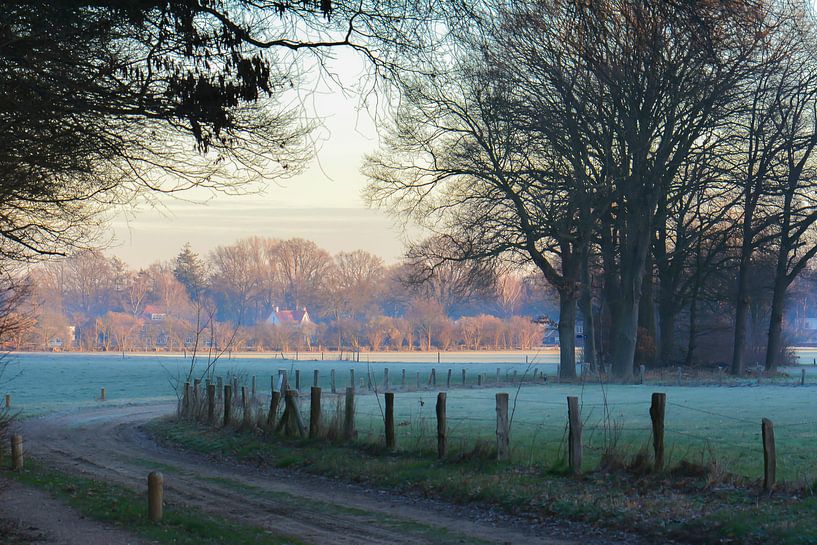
(8, 401)
(442, 436)
(102, 394)
(298, 379)
(403, 379)
(479, 380)
(438, 358)
(448, 380)
(463, 377)
(246, 421)
(369, 381)
(352, 378)
(574, 453)
(433, 377)
(314, 412)
(497, 375)
(235, 390)
(657, 408)
(316, 377)
(17, 452)
(228, 404)
(220, 388)
(155, 494)
(390, 437)
(275, 400)
(802, 377)
(349, 421)
(503, 432)
(332, 380)
(769, 455)
(211, 404)
(196, 388)
(291, 420)
(254, 390)
(283, 379)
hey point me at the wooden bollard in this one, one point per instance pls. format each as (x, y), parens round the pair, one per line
(8, 401)
(442, 435)
(275, 400)
(349, 421)
(332, 381)
(291, 420)
(17, 452)
(155, 496)
(403, 379)
(246, 420)
(102, 394)
(298, 379)
(390, 437)
(574, 447)
(228, 404)
(463, 377)
(211, 404)
(503, 433)
(657, 408)
(314, 412)
(283, 379)
(769, 455)
(316, 377)
(448, 380)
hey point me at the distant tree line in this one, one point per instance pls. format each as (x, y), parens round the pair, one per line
(224, 301)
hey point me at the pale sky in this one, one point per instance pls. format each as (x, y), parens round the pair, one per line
(323, 204)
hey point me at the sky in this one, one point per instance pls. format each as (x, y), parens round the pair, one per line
(323, 204)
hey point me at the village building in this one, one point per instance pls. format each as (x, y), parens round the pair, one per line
(289, 317)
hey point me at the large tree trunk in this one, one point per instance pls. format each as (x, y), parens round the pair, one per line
(646, 309)
(693, 330)
(742, 300)
(567, 334)
(625, 328)
(586, 306)
(774, 345)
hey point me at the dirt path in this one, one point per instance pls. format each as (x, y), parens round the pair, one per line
(32, 516)
(107, 443)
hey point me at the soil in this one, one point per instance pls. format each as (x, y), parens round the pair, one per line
(109, 444)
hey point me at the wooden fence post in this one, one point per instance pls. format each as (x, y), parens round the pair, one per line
(284, 381)
(463, 377)
(574, 453)
(657, 409)
(769, 455)
(275, 400)
(479, 380)
(497, 375)
(442, 436)
(316, 376)
(448, 380)
(352, 378)
(332, 381)
(235, 390)
(802, 377)
(254, 391)
(228, 404)
(186, 400)
(349, 422)
(211, 404)
(246, 421)
(298, 379)
(291, 420)
(102, 394)
(390, 438)
(220, 388)
(403, 379)
(17, 452)
(503, 433)
(155, 493)
(315, 412)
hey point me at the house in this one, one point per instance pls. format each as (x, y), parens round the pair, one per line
(289, 317)
(154, 313)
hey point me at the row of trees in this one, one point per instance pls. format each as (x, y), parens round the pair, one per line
(654, 159)
(227, 297)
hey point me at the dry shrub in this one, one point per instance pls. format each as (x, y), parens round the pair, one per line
(482, 450)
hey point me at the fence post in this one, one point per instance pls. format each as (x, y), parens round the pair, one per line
(155, 493)
(448, 380)
(285, 381)
(503, 435)
(575, 435)
(390, 439)
(316, 376)
(246, 421)
(8, 401)
(349, 422)
(802, 377)
(657, 409)
(332, 380)
(386, 379)
(514, 376)
(314, 412)
(17, 452)
(228, 404)
(769, 455)
(463, 377)
(403, 379)
(196, 388)
(442, 443)
(186, 399)
(291, 420)
(479, 380)
(298, 379)
(220, 388)
(432, 378)
(352, 378)
(275, 400)
(497, 375)
(211, 404)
